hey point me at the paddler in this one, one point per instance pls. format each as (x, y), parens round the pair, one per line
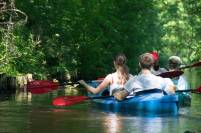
(146, 82)
(115, 80)
(174, 64)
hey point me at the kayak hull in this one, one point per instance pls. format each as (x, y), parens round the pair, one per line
(148, 104)
(184, 99)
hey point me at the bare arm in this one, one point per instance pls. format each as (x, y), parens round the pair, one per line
(171, 89)
(94, 90)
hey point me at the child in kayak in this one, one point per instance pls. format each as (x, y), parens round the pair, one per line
(146, 81)
(115, 80)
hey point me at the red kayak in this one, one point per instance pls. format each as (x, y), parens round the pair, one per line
(41, 86)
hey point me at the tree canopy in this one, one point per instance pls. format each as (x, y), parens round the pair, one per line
(79, 38)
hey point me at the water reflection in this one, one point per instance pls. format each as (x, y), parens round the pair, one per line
(148, 125)
(112, 124)
(24, 96)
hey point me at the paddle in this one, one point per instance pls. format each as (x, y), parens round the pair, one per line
(176, 73)
(192, 65)
(171, 74)
(71, 100)
(45, 86)
(197, 91)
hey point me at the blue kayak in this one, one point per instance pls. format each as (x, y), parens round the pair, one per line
(151, 104)
(148, 103)
(184, 99)
(181, 83)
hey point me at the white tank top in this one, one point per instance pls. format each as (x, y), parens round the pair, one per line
(114, 81)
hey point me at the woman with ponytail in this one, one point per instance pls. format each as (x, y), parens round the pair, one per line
(115, 80)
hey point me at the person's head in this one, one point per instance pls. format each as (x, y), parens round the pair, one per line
(174, 62)
(120, 65)
(146, 61)
(120, 60)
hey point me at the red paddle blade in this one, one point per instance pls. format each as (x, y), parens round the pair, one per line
(198, 90)
(101, 78)
(68, 100)
(171, 74)
(41, 86)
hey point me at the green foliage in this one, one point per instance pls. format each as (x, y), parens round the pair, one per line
(81, 37)
(180, 25)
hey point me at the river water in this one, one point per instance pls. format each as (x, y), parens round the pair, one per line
(26, 113)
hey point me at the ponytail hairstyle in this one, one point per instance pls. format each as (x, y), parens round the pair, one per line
(121, 67)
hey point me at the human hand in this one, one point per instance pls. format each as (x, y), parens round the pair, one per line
(120, 94)
(82, 82)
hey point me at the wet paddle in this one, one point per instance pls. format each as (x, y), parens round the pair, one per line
(71, 100)
(45, 86)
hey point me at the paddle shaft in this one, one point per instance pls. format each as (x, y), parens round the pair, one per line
(189, 90)
(47, 85)
(100, 97)
(72, 83)
(192, 65)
